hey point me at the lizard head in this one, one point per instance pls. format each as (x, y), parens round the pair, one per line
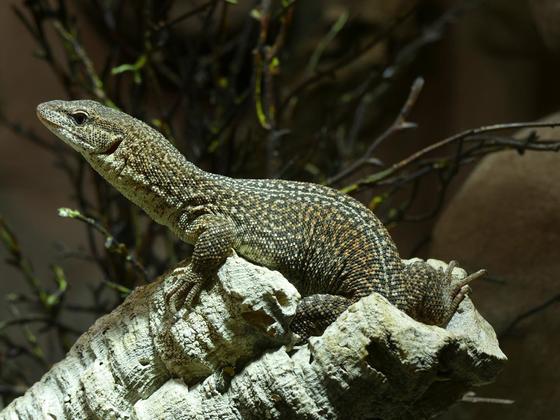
(107, 138)
(134, 157)
(87, 126)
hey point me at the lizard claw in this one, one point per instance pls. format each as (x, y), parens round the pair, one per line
(458, 288)
(185, 286)
(436, 292)
(466, 280)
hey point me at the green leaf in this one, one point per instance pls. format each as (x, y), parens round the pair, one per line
(223, 82)
(51, 300)
(122, 68)
(8, 238)
(274, 65)
(134, 68)
(376, 201)
(69, 213)
(124, 291)
(214, 145)
(256, 14)
(259, 106)
(312, 169)
(370, 180)
(60, 278)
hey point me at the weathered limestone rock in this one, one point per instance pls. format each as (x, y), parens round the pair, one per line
(231, 357)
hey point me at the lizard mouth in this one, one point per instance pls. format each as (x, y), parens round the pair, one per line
(48, 123)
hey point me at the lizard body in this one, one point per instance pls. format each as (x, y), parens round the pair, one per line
(333, 248)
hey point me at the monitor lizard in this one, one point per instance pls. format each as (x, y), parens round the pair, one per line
(333, 248)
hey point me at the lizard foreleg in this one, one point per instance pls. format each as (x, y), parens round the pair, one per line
(213, 241)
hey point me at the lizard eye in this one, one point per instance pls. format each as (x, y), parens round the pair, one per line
(79, 117)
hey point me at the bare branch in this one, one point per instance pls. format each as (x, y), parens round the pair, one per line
(529, 313)
(111, 244)
(399, 124)
(470, 135)
(471, 397)
(96, 85)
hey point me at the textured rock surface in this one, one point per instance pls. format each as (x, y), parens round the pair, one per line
(230, 358)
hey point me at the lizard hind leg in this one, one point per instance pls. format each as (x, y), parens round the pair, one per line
(435, 294)
(316, 312)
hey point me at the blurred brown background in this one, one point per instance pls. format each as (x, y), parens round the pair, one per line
(497, 63)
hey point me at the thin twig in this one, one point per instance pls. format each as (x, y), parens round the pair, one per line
(193, 12)
(415, 157)
(345, 61)
(529, 313)
(95, 83)
(111, 243)
(400, 123)
(471, 397)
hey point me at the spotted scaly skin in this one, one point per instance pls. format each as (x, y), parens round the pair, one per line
(329, 245)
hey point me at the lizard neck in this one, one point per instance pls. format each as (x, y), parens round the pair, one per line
(149, 171)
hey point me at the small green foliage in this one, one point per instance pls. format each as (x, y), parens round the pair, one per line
(441, 164)
(312, 169)
(8, 238)
(48, 300)
(61, 285)
(324, 43)
(274, 66)
(135, 68)
(16, 256)
(259, 106)
(376, 201)
(223, 82)
(111, 244)
(256, 14)
(122, 290)
(214, 145)
(370, 179)
(31, 338)
(70, 213)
